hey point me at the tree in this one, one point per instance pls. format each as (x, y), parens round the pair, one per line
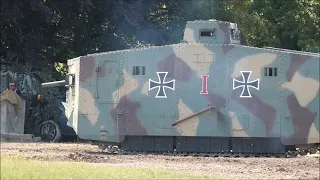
(283, 24)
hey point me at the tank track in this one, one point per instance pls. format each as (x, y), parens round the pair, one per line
(115, 150)
(189, 146)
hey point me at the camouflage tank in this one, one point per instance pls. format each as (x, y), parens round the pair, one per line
(208, 94)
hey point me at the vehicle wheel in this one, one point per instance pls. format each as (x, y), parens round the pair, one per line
(50, 131)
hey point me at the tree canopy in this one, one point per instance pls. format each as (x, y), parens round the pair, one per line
(41, 33)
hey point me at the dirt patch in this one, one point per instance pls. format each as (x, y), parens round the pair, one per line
(235, 168)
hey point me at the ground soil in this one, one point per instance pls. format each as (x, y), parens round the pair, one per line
(304, 167)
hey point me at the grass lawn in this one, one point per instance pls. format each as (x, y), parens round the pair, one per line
(19, 168)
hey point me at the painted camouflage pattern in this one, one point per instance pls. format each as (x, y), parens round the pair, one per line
(107, 102)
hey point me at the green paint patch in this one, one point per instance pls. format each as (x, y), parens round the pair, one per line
(15, 167)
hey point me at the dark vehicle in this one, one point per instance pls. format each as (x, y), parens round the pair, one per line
(42, 118)
(56, 129)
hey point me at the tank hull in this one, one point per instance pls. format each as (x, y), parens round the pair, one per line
(117, 96)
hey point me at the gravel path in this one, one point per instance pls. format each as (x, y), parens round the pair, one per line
(304, 167)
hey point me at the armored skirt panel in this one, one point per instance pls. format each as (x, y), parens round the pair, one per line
(207, 90)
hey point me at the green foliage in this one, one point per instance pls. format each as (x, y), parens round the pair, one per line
(61, 68)
(20, 168)
(42, 34)
(283, 24)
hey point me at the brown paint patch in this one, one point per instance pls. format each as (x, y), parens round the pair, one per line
(87, 65)
(226, 48)
(217, 101)
(296, 62)
(128, 123)
(102, 70)
(225, 28)
(171, 64)
(257, 108)
(302, 120)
